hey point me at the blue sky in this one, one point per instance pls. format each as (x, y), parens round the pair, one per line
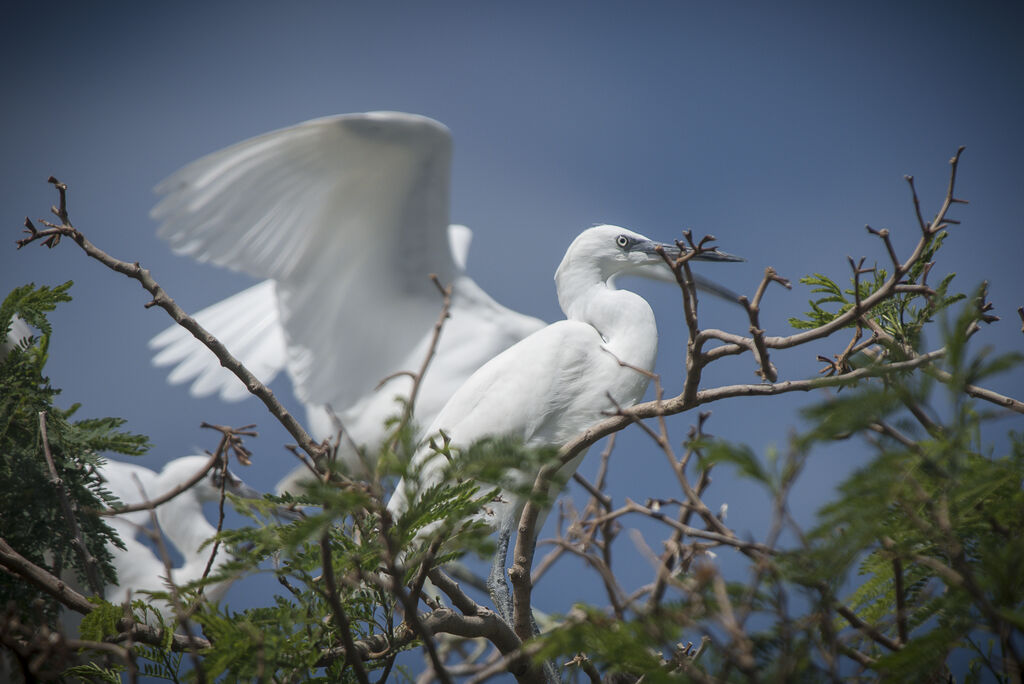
(780, 128)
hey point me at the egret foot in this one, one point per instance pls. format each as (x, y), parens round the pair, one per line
(497, 583)
(501, 597)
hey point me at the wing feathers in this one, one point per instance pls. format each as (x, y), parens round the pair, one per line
(247, 324)
(349, 214)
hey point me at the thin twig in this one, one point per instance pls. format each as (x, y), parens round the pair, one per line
(340, 617)
(150, 504)
(180, 613)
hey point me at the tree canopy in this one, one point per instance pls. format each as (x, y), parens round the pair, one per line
(911, 572)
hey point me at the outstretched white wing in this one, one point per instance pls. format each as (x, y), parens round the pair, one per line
(247, 324)
(349, 215)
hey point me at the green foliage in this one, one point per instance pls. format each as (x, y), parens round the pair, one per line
(934, 504)
(290, 636)
(32, 515)
(31, 304)
(903, 315)
(622, 647)
(101, 622)
(921, 544)
(92, 672)
(917, 556)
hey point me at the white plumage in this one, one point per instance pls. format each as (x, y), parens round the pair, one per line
(347, 216)
(181, 520)
(16, 335)
(563, 378)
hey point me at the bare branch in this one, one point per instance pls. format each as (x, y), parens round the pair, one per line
(25, 569)
(160, 298)
(21, 567)
(866, 629)
(150, 504)
(180, 613)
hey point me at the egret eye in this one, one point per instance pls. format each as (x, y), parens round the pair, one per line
(622, 241)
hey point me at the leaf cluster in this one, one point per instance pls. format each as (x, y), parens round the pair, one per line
(296, 636)
(917, 558)
(32, 517)
(903, 316)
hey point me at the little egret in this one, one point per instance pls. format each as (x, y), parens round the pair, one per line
(346, 217)
(563, 378)
(181, 520)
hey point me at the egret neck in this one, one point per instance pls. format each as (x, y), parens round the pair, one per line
(623, 319)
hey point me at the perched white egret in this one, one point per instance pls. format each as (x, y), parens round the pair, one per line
(181, 520)
(346, 216)
(563, 378)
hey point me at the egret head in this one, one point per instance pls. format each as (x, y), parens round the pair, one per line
(604, 252)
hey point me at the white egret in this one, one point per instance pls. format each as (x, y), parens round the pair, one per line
(181, 520)
(563, 378)
(346, 216)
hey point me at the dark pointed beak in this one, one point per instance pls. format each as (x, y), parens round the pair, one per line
(673, 252)
(717, 255)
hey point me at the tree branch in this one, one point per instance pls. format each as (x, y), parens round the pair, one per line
(51, 237)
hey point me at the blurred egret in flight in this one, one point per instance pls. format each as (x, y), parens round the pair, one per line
(345, 217)
(563, 378)
(181, 520)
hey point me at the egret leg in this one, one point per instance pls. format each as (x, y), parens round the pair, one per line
(501, 597)
(497, 582)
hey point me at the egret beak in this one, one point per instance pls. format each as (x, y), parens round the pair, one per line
(674, 252)
(717, 255)
(653, 248)
(657, 269)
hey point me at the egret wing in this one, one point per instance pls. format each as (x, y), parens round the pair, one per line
(349, 215)
(247, 324)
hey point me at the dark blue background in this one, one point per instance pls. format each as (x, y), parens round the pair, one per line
(780, 128)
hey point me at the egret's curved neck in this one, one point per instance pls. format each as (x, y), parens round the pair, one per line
(624, 319)
(182, 526)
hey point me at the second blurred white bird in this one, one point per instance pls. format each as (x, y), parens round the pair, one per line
(181, 520)
(347, 216)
